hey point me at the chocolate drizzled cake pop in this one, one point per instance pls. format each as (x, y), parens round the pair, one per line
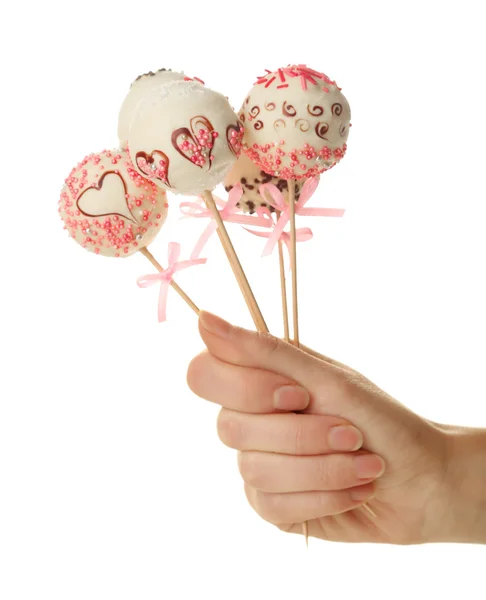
(296, 123)
(184, 136)
(251, 177)
(108, 208)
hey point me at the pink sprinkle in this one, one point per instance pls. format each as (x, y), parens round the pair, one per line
(270, 81)
(200, 80)
(279, 87)
(282, 76)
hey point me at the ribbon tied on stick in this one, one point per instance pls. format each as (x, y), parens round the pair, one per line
(229, 213)
(165, 277)
(275, 198)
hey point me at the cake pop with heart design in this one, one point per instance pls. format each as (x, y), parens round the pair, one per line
(109, 208)
(184, 136)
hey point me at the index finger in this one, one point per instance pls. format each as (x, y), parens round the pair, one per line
(244, 389)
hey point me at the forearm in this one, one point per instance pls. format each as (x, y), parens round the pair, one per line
(466, 482)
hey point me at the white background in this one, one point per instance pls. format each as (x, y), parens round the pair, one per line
(113, 484)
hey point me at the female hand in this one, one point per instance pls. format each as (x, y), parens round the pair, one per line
(349, 444)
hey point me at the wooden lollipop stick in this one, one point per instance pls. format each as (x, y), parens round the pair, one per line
(236, 265)
(283, 288)
(174, 285)
(293, 261)
(295, 306)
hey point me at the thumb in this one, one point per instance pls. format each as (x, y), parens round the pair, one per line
(244, 348)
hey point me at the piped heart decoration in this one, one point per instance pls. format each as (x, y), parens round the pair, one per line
(196, 144)
(106, 198)
(154, 165)
(234, 137)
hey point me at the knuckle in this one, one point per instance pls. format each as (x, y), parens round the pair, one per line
(193, 375)
(270, 507)
(249, 466)
(229, 429)
(329, 472)
(269, 344)
(299, 437)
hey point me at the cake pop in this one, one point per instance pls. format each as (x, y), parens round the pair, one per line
(296, 123)
(250, 177)
(137, 92)
(108, 208)
(184, 136)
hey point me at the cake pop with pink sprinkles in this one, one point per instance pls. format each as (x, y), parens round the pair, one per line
(110, 209)
(296, 123)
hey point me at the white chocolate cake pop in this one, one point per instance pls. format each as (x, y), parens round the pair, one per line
(136, 94)
(251, 177)
(184, 136)
(108, 208)
(296, 123)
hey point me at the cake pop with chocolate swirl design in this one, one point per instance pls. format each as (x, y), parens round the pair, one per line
(184, 136)
(109, 208)
(296, 123)
(250, 177)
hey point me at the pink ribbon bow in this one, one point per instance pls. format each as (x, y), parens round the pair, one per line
(301, 235)
(228, 213)
(278, 202)
(165, 278)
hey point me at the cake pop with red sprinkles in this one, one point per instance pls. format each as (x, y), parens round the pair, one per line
(296, 123)
(109, 208)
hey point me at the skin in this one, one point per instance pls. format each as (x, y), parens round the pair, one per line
(316, 441)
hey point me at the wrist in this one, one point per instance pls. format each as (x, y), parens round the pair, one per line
(466, 485)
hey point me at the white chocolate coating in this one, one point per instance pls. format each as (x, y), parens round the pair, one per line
(251, 177)
(108, 208)
(184, 137)
(296, 123)
(136, 94)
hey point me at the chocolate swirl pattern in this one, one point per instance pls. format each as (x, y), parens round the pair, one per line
(304, 124)
(270, 105)
(258, 125)
(288, 110)
(321, 129)
(254, 111)
(337, 109)
(279, 124)
(315, 111)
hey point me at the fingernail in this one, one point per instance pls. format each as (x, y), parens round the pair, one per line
(365, 492)
(290, 398)
(369, 466)
(345, 437)
(214, 324)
